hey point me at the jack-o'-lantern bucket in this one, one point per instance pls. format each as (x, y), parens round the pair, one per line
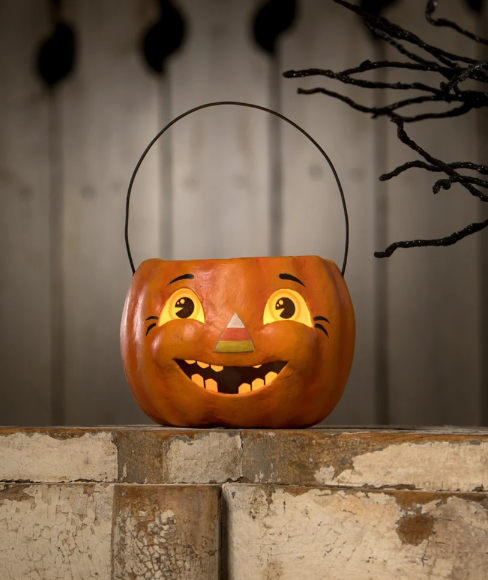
(243, 342)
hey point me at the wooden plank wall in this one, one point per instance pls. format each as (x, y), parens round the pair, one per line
(434, 294)
(25, 207)
(482, 29)
(109, 109)
(207, 191)
(313, 219)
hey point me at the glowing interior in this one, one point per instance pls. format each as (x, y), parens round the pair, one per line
(231, 380)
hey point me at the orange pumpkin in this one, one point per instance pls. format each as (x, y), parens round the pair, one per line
(251, 342)
(247, 342)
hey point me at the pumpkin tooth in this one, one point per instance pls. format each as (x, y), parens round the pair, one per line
(230, 380)
(257, 384)
(198, 379)
(211, 385)
(270, 377)
(256, 366)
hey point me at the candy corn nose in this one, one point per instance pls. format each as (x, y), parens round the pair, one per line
(235, 337)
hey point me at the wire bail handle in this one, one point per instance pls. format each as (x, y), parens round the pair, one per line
(238, 104)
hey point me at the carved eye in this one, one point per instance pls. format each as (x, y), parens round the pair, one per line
(184, 307)
(284, 305)
(183, 304)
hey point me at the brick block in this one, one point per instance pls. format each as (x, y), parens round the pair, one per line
(424, 460)
(57, 455)
(179, 456)
(288, 533)
(55, 532)
(166, 532)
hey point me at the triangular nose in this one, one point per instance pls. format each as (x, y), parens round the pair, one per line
(235, 322)
(235, 337)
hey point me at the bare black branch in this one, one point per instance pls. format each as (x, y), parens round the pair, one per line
(453, 71)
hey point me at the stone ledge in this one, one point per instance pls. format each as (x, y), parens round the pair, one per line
(444, 459)
(113, 503)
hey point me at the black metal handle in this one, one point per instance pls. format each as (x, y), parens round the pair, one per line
(238, 104)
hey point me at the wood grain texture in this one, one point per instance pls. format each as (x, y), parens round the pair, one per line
(434, 293)
(328, 36)
(109, 112)
(25, 350)
(220, 170)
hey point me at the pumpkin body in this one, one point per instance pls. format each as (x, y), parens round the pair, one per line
(248, 342)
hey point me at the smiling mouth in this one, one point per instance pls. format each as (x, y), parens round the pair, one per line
(231, 380)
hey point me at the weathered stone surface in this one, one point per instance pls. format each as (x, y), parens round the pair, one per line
(141, 455)
(287, 456)
(451, 460)
(166, 532)
(69, 456)
(419, 460)
(289, 533)
(179, 456)
(431, 465)
(55, 532)
(329, 519)
(204, 457)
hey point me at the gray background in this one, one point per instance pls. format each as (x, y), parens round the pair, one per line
(209, 189)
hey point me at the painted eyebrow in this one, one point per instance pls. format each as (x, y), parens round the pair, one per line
(292, 278)
(183, 277)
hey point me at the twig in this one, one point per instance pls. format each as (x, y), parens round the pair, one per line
(375, 110)
(347, 80)
(446, 183)
(429, 11)
(389, 110)
(483, 169)
(453, 69)
(467, 73)
(401, 34)
(447, 241)
(404, 138)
